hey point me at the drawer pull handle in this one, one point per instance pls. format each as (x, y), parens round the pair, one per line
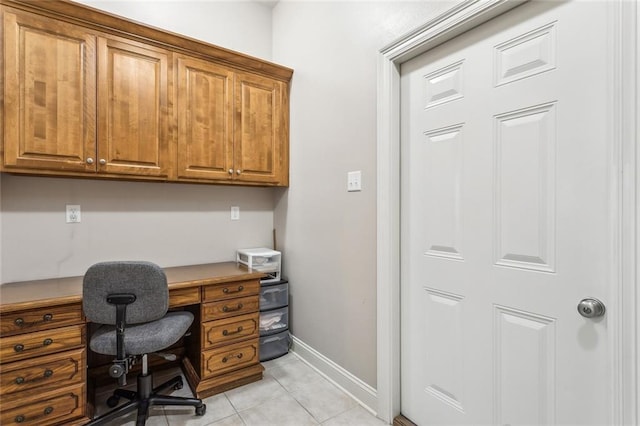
(227, 332)
(228, 309)
(48, 411)
(21, 380)
(227, 358)
(227, 291)
(20, 322)
(19, 419)
(20, 347)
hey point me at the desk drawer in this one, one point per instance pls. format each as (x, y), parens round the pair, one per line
(230, 308)
(184, 297)
(229, 358)
(29, 345)
(230, 290)
(40, 319)
(58, 369)
(224, 331)
(45, 408)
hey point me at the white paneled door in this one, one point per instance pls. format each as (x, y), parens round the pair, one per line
(505, 220)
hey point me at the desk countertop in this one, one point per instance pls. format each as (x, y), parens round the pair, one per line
(20, 295)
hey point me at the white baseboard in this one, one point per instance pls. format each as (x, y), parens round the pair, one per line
(360, 391)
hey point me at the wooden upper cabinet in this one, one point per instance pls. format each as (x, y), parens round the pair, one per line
(133, 116)
(50, 97)
(205, 129)
(93, 95)
(231, 125)
(261, 137)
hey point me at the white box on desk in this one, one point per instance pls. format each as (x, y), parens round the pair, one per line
(262, 260)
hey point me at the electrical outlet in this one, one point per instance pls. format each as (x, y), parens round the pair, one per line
(73, 213)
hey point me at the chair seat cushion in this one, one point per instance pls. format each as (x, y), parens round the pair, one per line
(143, 338)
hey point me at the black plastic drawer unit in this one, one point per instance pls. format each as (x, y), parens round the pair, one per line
(274, 321)
(274, 296)
(274, 346)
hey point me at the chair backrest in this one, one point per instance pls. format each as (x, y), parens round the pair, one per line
(146, 280)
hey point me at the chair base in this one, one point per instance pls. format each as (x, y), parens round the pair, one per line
(145, 397)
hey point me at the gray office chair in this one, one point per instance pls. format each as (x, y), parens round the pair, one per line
(130, 300)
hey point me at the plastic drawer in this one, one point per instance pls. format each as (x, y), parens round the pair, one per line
(274, 296)
(274, 346)
(274, 321)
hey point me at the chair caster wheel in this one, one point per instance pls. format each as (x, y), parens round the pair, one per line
(112, 401)
(201, 410)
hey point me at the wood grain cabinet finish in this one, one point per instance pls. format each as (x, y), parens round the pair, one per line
(205, 120)
(225, 331)
(50, 94)
(261, 152)
(231, 125)
(93, 95)
(40, 319)
(43, 366)
(227, 343)
(59, 406)
(133, 130)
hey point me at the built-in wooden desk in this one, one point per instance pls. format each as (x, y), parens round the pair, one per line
(43, 340)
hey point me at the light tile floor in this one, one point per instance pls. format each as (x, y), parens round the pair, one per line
(290, 393)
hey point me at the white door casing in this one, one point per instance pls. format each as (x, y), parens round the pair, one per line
(622, 300)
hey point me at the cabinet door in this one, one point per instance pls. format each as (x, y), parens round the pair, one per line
(133, 118)
(205, 129)
(49, 94)
(261, 137)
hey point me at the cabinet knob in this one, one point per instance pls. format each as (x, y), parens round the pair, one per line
(102, 161)
(238, 171)
(89, 160)
(230, 171)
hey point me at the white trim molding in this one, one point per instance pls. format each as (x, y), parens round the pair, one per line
(625, 162)
(347, 382)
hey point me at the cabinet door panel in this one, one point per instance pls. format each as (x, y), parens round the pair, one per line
(205, 129)
(260, 136)
(49, 110)
(133, 116)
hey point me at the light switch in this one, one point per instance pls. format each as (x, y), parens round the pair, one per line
(354, 181)
(235, 213)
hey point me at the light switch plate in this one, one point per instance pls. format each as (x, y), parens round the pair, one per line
(354, 181)
(235, 213)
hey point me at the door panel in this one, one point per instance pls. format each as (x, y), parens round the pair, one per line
(505, 221)
(50, 94)
(259, 129)
(205, 120)
(133, 135)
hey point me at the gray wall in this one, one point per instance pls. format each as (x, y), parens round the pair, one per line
(171, 224)
(328, 236)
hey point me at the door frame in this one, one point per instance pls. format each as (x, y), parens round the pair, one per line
(624, 299)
